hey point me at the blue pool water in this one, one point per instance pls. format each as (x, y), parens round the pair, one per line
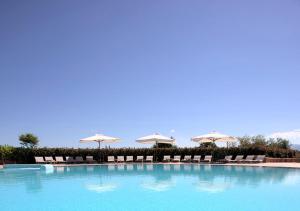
(150, 187)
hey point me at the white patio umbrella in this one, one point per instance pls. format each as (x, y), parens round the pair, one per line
(214, 137)
(156, 139)
(100, 139)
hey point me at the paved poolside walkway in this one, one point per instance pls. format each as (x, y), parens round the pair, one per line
(283, 165)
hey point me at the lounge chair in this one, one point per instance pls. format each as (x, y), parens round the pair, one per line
(207, 158)
(139, 159)
(120, 159)
(176, 158)
(248, 158)
(167, 158)
(79, 159)
(149, 158)
(90, 159)
(129, 158)
(228, 158)
(258, 159)
(59, 159)
(197, 158)
(111, 159)
(49, 159)
(187, 158)
(39, 160)
(237, 159)
(70, 159)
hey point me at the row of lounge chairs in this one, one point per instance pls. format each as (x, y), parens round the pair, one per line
(188, 158)
(166, 158)
(149, 158)
(241, 159)
(60, 159)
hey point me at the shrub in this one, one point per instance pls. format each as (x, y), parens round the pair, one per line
(6, 152)
(26, 155)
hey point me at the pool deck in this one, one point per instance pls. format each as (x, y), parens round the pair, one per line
(280, 165)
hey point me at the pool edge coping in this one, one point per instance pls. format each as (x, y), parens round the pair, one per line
(269, 165)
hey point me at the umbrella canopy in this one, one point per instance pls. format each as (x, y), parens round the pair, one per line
(155, 139)
(213, 137)
(100, 139)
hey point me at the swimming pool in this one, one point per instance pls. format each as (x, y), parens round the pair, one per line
(150, 187)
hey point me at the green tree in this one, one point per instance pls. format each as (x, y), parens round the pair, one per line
(283, 143)
(5, 152)
(28, 140)
(279, 143)
(259, 141)
(244, 141)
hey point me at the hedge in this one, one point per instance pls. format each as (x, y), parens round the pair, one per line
(26, 155)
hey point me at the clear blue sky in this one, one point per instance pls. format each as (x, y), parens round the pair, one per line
(70, 69)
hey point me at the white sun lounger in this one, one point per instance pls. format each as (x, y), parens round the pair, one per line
(129, 158)
(139, 159)
(111, 159)
(187, 158)
(120, 159)
(79, 159)
(49, 159)
(207, 158)
(167, 158)
(59, 159)
(149, 158)
(70, 159)
(90, 159)
(197, 158)
(39, 160)
(237, 159)
(228, 158)
(258, 159)
(176, 158)
(248, 158)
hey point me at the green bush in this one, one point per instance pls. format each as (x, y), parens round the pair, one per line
(26, 155)
(6, 152)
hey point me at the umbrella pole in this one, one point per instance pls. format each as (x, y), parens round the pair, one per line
(212, 152)
(99, 151)
(155, 151)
